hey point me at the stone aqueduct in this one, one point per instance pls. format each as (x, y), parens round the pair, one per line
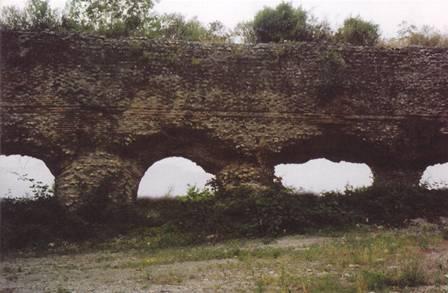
(100, 111)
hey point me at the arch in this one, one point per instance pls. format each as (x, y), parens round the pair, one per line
(334, 146)
(17, 171)
(435, 176)
(203, 147)
(172, 176)
(322, 175)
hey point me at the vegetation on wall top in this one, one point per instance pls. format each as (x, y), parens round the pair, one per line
(286, 23)
(282, 23)
(357, 31)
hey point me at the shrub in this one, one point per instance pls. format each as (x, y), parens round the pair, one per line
(240, 212)
(195, 194)
(282, 23)
(411, 35)
(357, 31)
(285, 23)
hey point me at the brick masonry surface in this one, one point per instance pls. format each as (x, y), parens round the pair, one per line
(100, 111)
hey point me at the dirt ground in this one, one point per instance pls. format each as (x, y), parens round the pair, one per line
(251, 267)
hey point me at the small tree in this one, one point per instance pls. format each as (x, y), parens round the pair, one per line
(218, 32)
(245, 32)
(357, 31)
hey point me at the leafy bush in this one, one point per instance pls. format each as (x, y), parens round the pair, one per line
(394, 204)
(241, 212)
(285, 23)
(357, 31)
(282, 23)
(195, 194)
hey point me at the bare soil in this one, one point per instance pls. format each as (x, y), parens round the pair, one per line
(132, 271)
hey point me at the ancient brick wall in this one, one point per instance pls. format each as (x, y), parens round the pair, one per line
(100, 111)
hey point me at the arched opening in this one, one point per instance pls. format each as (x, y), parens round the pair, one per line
(171, 177)
(436, 176)
(322, 175)
(23, 176)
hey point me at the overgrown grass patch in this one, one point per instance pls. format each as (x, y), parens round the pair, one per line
(359, 261)
(230, 250)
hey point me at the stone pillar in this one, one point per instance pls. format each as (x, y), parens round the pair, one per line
(98, 176)
(245, 174)
(384, 176)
